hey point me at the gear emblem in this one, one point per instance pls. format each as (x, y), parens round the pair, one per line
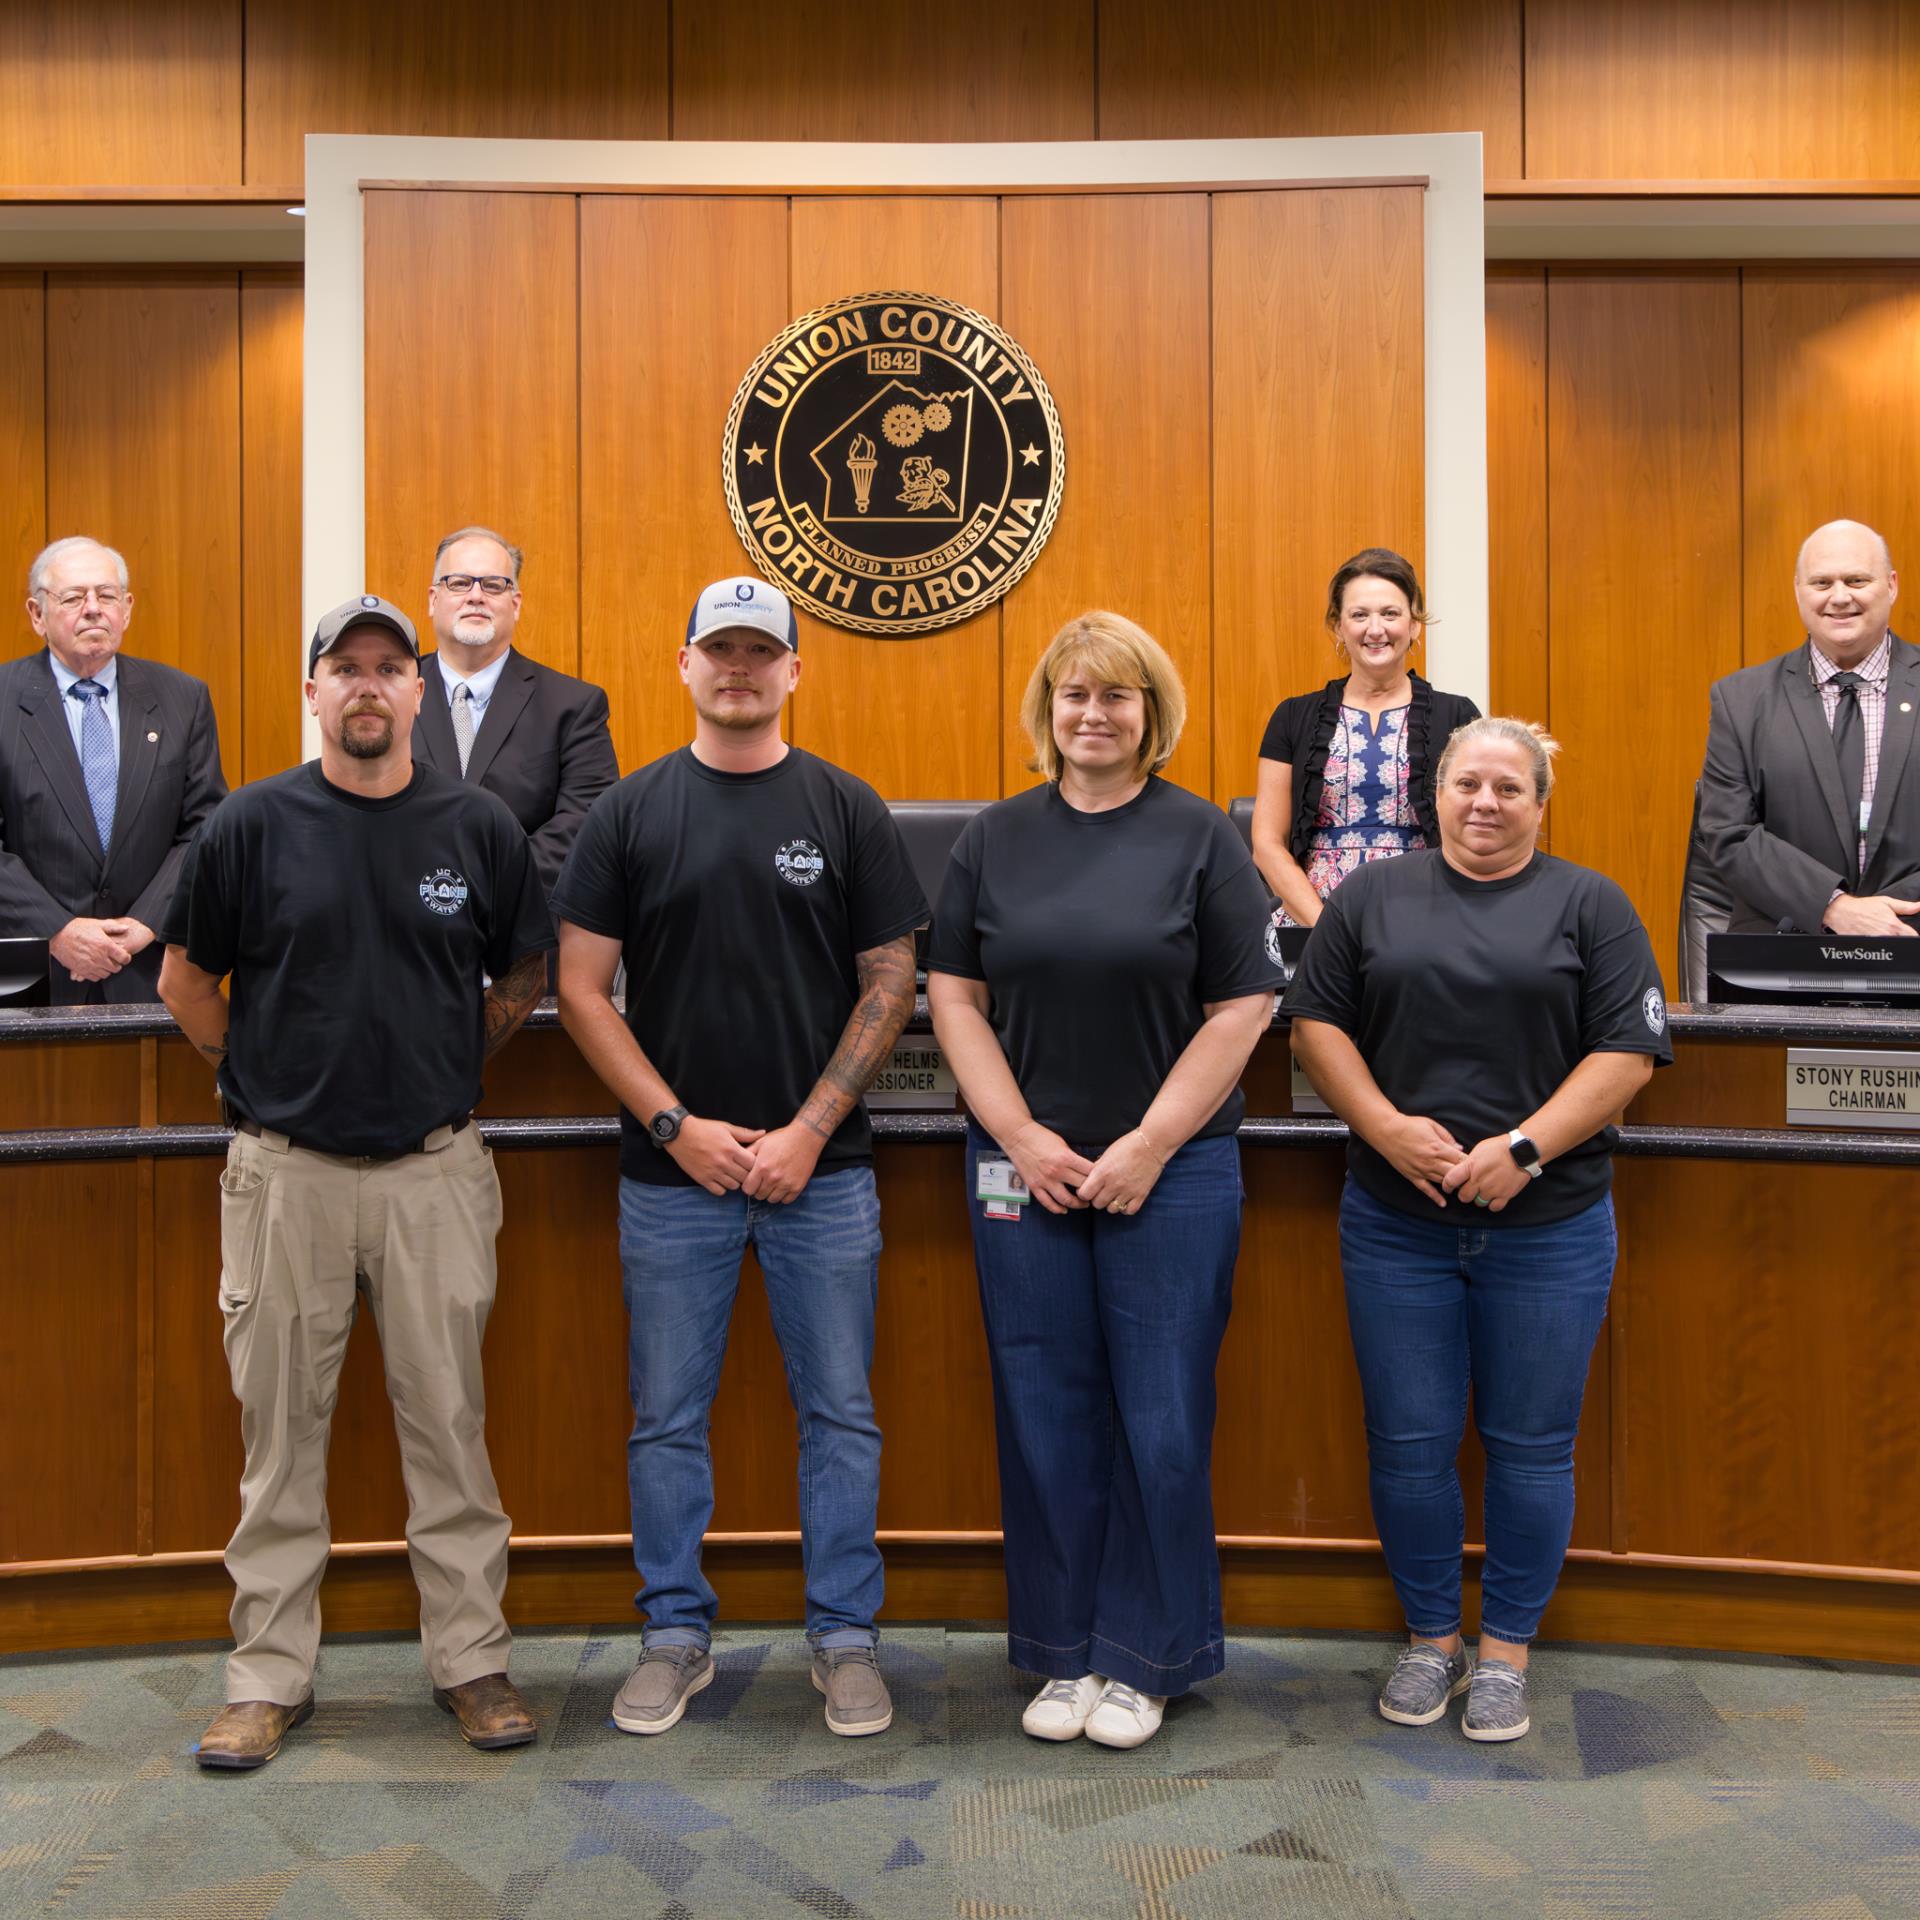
(903, 425)
(938, 416)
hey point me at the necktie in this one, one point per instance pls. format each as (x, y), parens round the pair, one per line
(97, 762)
(1850, 741)
(463, 724)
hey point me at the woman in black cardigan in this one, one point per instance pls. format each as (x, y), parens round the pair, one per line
(1346, 773)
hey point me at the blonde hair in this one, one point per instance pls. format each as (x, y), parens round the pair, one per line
(1118, 654)
(1533, 739)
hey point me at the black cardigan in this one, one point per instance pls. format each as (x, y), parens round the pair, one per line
(1310, 718)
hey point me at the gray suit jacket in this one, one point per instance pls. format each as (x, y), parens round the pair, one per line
(544, 748)
(1772, 817)
(51, 866)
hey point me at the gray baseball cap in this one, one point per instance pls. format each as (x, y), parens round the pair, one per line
(367, 611)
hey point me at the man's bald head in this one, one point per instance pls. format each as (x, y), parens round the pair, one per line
(1845, 585)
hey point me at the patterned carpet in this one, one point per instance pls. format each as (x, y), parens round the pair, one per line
(1653, 1786)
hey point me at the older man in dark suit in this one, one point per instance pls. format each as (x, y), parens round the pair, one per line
(108, 765)
(533, 735)
(1809, 809)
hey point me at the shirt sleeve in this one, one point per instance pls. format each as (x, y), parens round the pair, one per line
(1278, 742)
(954, 944)
(203, 917)
(1326, 983)
(1623, 1008)
(884, 898)
(1234, 920)
(593, 884)
(521, 922)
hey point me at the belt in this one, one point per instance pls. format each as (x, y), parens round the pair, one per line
(241, 1124)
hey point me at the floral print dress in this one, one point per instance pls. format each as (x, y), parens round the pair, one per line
(1365, 811)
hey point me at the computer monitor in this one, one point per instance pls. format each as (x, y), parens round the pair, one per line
(1813, 969)
(25, 974)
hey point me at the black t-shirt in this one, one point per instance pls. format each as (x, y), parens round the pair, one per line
(356, 933)
(1100, 936)
(740, 901)
(1472, 1000)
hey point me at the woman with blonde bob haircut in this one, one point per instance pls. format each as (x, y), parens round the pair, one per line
(1099, 975)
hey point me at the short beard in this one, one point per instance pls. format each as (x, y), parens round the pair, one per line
(475, 639)
(361, 746)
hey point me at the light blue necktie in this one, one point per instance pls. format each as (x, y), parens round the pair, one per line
(97, 761)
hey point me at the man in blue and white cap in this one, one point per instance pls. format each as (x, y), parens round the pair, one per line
(764, 906)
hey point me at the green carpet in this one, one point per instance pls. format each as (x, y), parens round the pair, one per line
(1653, 1786)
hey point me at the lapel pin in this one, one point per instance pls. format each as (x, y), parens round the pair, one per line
(152, 737)
(1906, 706)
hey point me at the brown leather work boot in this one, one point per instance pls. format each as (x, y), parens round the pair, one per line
(248, 1733)
(490, 1711)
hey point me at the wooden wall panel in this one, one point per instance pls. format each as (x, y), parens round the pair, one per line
(69, 1083)
(918, 717)
(23, 446)
(136, 93)
(1643, 477)
(993, 70)
(1721, 89)
(1128, 366)
(1319, 402)
(1830, 367)
(271, 302)
(590, 70)
(1239, 68)
(1517, 487)
(68, 1351)
(143, 452)
(1764, 1414)
(473, 398)
(670, 320)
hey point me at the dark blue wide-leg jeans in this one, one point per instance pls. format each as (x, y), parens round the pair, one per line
(1104, 1330)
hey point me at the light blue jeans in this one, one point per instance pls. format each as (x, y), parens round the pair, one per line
(680, 1253)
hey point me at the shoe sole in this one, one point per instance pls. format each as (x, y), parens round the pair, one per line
(673, 1719)
(851, 1733)
(1053, 1733)
(1497, 1733)
(246, 1762)
(485, 1743)
(1400, 1719)
(1120, 1746)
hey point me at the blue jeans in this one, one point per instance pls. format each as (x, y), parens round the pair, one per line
(1104, 1330)
(1513, 1311)
(680, 1252)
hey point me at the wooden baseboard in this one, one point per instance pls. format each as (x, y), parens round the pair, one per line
(1600, 1598)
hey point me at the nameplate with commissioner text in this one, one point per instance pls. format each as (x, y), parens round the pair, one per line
(916, 1079)
(1828, 1087)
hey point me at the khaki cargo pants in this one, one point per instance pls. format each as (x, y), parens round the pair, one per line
(302, 1235)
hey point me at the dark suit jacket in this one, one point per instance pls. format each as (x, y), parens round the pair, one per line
(1772, 817)
(543, 747)
(51, 867)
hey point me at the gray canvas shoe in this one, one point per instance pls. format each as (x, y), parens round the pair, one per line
(658, 1689)
(1497, 1704)
(1423, 1680)
(857, 1698)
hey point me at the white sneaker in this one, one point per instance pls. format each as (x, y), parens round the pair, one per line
(1124, 1718)
(1059, 1710)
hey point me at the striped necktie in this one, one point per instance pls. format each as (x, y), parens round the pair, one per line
(98, 763)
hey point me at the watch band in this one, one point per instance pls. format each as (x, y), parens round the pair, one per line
(665, 1126)
(1526, 1155)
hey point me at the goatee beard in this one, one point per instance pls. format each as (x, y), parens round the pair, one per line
(361, 746)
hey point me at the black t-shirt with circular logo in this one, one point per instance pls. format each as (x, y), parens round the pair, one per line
(740, 901)
(1101, 938)
(357, 933)
(1472, 1000)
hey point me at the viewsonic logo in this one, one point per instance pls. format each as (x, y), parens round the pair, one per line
(1856, 953)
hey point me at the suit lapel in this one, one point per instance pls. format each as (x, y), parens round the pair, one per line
(1803, 698)
(511, 693)
(1896, 740)
(53, 747)
(433, 741)
(140, 715)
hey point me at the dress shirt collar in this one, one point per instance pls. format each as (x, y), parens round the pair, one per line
(1873, 669)
(108, 676)
(481, 684)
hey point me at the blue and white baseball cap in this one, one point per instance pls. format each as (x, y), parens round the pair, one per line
(744, 602)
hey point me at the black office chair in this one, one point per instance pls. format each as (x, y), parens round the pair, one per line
(1706, 906)
(1240, 812)
(929, 828)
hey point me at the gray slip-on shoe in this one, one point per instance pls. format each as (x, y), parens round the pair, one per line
(658, 1689)
(1423, 1680)
(857, 1697)
(1496, 1703)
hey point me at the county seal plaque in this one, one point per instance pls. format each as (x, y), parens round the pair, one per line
(893, 462)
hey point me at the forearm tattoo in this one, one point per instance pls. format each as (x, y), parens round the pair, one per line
(885, 977)
(512, 997)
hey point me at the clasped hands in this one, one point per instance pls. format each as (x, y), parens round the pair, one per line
(1060, 1179)
(1424, 1152)
(765, 1164)
(98, 949)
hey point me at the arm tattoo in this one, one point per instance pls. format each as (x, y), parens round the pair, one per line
(512, 997)
(886, 998)
(217, 1052)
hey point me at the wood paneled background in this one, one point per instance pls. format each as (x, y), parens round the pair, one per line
(220, 93)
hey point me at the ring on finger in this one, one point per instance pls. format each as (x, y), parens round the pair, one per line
(1479, 1199)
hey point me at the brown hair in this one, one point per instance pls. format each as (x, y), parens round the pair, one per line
(1379, 563)
(1118, 654)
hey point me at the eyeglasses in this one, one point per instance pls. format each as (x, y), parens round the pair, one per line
(77, 597)
(496, 586)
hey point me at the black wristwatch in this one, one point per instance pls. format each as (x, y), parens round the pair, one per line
(1525, 1154)
(665, 1126)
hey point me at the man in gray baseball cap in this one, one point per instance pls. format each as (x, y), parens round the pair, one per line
(385, 931)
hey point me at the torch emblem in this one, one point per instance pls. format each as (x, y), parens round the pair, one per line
(861, 462)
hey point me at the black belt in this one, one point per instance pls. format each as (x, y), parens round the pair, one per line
(241, 1124)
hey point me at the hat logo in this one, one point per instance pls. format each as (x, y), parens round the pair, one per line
(369, 600)
(744, 591)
